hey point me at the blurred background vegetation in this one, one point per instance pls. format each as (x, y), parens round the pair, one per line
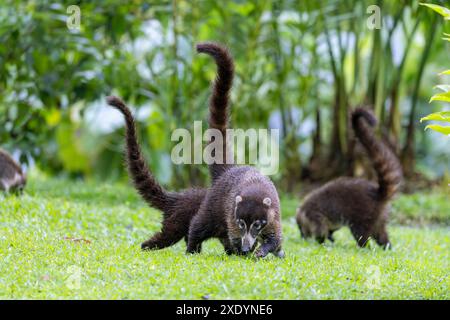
(301, 66)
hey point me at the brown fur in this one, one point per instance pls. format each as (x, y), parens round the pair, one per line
(12, 178)
(220, 98)
(178, 207)
(220, 214)
(358, 203)
(200, 214)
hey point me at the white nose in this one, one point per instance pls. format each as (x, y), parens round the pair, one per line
(247, 242)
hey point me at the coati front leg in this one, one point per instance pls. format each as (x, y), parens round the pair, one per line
(271, 244)
(361, 235)
(330, 235)
(199, 231)
(382, 239)
(228, 247)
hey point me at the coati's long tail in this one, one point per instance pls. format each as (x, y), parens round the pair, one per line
(384, 160)
(220, 99)
(149, 189)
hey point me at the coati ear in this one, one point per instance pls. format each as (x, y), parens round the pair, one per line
(238, 199)
(267, 201)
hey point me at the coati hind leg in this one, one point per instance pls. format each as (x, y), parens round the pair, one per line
(160, 240)
(170, 234)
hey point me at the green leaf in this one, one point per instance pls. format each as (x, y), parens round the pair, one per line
(446, 72)
(443, 87)
(441, 97)
(441, 129)
(437, 116)
(439, 9)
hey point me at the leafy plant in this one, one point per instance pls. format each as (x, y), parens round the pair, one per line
(442, 116)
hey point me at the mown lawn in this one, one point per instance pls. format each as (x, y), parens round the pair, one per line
(74, 240)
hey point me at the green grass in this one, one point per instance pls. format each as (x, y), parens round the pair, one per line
(37, 262)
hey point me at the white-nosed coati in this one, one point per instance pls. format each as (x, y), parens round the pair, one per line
(12, 178)
(358, 203)
(178, 207)
(242, 207)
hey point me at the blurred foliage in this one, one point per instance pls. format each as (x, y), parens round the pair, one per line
(301, 66)
(443, 116)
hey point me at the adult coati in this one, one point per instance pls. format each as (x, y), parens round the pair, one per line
(242, 207)
(178, 207)
(237, 227)
(12, 178)
(358, 203)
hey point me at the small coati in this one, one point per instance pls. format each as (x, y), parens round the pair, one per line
(178, 207)
(358, 203)
(12, 178)
(242, 207)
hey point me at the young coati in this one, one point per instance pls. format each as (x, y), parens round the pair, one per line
(12, 178)
(358, 203)
(242, 207)
(178, 207)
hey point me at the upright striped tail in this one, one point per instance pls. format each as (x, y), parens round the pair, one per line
(149, 189)
(220, 99)
(385, 162)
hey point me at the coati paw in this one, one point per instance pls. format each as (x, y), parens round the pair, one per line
(145, 246)
(387, 246)
(260, 254)
(279, 254)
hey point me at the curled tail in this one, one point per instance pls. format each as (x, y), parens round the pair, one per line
(385, 162)
(149, 189)
(220, 99)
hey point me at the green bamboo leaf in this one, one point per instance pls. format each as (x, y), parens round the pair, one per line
(441, 129)
(443, 87)
(441, 97)
(439, 9)
(437, 116)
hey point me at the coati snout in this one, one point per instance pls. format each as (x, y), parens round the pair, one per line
(251, 219)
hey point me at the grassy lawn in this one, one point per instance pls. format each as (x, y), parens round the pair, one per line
(74, 240)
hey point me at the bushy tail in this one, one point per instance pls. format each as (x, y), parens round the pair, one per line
(149, 189)
(385, 162)
(220, 99)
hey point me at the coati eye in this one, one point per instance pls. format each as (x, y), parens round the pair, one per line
(257, 224)
(241, 224)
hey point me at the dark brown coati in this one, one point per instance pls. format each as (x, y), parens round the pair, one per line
(178, 207)
(358, 203)
(12, 178)
(242, 206)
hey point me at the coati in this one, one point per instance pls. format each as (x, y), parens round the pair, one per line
(178, 207)
(242, 207)
(358, 203)
(12, 178)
